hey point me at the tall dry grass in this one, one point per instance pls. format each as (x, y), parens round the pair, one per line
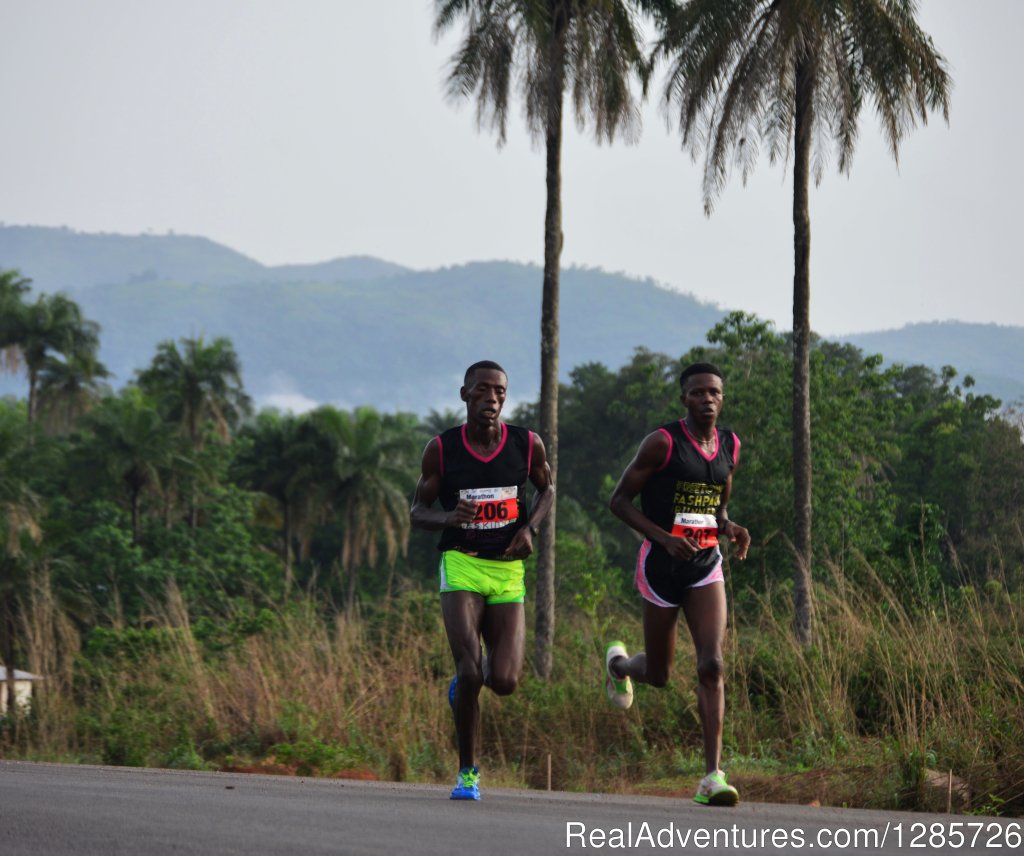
(941, 689)
(884, 694)
(51, 643)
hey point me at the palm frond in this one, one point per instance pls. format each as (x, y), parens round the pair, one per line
(901, 69)
(590, 50)
(732, 68)
(481, 68)
(447, 12)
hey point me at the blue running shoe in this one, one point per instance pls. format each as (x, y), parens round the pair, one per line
(467, 785)
(451, 692)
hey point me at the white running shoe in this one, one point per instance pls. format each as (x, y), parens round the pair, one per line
(620, 690)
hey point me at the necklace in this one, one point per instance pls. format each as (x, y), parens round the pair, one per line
(708, 442)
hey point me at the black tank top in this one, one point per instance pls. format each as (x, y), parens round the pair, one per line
(684, 495)
(496, 482)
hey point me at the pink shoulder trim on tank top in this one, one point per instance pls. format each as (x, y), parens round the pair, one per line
(668, 454)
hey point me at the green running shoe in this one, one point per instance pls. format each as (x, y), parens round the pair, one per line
(715, 790)
(467, 785)
(619, 690)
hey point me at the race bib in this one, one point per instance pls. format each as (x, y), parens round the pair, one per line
(498, 506)
(702, 528)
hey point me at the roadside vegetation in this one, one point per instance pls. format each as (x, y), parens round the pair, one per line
(205, 587)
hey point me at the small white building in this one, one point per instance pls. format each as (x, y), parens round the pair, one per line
(23, 682)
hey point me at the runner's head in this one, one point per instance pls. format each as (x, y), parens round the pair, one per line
(702, 392)
(482, 364)
(483, 391)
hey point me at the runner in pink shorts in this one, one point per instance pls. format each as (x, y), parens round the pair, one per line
(683, 475)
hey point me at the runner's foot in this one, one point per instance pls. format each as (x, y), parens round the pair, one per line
(467, 785)
(715, 790)
(619, 690)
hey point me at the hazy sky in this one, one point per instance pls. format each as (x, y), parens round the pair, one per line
(306, 130)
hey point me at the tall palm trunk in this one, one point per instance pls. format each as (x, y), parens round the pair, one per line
(136, 501)
(197, 444)
(349, 554)
(7, 653)
(545, 618)
(287, 550)
(33, 396)
(802, 619)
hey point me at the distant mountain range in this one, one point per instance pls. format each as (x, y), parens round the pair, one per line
(361, 330)
(65, 260)
(993, 354)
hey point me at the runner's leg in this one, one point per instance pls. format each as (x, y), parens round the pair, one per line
(652, 665)
(463, 613)
(705, 611)
(504, 631)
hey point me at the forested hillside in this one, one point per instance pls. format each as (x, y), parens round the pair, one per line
(359, 330)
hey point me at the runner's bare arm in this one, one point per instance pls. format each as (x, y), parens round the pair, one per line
(648, 459)
(521, 545)
(422, 514)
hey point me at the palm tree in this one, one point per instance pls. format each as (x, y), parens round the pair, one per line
(795, 74)
(130, 444)
(438, 421)
(197, 386)
(53, 324)
(272, 462)
(591, 49)
(13, 287)
(366, 472)
(68, 389)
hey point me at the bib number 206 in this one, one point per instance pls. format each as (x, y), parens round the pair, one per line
(496, 506)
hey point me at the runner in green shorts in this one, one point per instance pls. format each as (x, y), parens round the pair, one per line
(477, 473)
(498, 580)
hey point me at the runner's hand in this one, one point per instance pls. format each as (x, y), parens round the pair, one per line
(681, 549)
(740, 537)
(521, 545)
(464, 512)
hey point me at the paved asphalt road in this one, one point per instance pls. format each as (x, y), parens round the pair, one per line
(108, 811)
